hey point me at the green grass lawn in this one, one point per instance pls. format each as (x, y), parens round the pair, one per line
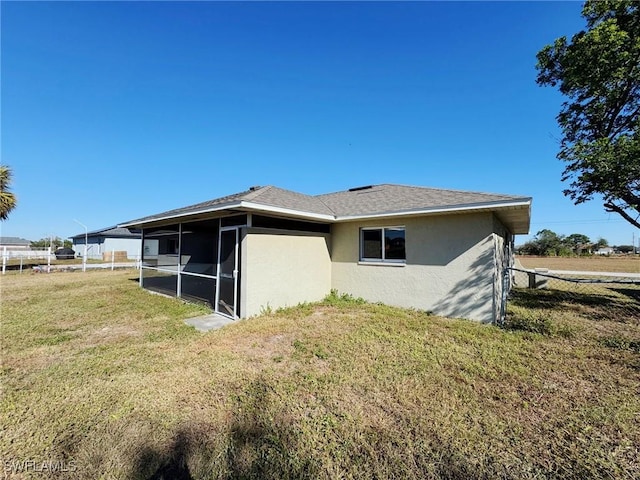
(106, 378)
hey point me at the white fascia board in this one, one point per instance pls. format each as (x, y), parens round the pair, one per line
(287, 211)
(242, 205)
(257, 207)
(217, 208)
(437, 210)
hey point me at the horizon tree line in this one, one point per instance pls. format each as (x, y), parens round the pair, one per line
(548, 243)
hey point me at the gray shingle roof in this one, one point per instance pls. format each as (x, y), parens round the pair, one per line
(14, 241)
(216, 203)
(269, 196)
(279, 197)
(362, 202)
(112, 232)
(388, 198)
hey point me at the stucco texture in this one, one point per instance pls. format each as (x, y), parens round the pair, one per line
(283, 268)
(450, 266)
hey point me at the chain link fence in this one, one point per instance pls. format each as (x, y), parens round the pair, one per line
(538, 296)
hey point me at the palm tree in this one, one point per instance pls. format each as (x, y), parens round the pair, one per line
(7, 199)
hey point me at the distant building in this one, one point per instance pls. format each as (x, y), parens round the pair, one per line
(604, 251)
(109, 239)
(14, 243)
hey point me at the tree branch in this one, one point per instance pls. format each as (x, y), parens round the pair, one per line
(632, 117)
(624, 98)
(612, 207)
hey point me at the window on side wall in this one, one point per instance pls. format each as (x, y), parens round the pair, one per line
(382, 244)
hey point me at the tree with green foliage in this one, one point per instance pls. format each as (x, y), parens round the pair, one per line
(549, 243)
(7, 199)
(53, 242)
(601, 243)
(578, 243)
(544, 243)
(599, 73)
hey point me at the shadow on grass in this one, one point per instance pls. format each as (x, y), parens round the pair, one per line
(174, 464)
(263, 444)
(604, 304)
(632, 293)
(257, 444)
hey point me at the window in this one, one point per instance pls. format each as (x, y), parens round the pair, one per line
(382, 244)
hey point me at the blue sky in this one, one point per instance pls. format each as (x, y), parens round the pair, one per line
(116, 110)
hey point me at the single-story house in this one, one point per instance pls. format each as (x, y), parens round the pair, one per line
(14, 243)
(605, 251)
(119, 239)
(443, 251)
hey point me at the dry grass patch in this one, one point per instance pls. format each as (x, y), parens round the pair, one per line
(596, 263)
(109, 377)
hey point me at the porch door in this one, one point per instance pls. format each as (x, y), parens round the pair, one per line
(228, 272)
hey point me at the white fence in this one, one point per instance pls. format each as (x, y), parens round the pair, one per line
(34, 253)
(18, 259)
(26, 256)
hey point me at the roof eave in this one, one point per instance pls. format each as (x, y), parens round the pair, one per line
(437, 210)
(241, 205)
(259, 207)
(160, 219)
(523, 226)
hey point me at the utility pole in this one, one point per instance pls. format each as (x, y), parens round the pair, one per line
(84, 257)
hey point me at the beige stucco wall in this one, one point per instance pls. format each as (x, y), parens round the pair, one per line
(450, 267)
(282, 268)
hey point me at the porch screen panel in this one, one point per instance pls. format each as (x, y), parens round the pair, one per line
(200, 289)
(289, 224)
(227, 254)
(199, 249)
(233, 221)
(161, 282)
(160, 248)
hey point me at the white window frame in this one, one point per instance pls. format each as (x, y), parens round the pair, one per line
(396, 261)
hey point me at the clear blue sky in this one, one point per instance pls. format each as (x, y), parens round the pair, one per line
(114, 110)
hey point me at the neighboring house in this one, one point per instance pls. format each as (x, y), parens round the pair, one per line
(443, 251)
(604, 251)
(109, 239)
(14, 243)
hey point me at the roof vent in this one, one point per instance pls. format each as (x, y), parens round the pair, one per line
(356, 189)
(254, 188)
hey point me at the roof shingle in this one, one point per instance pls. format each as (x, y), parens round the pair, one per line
(361, 202)
(14, 241)
(388, 198)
